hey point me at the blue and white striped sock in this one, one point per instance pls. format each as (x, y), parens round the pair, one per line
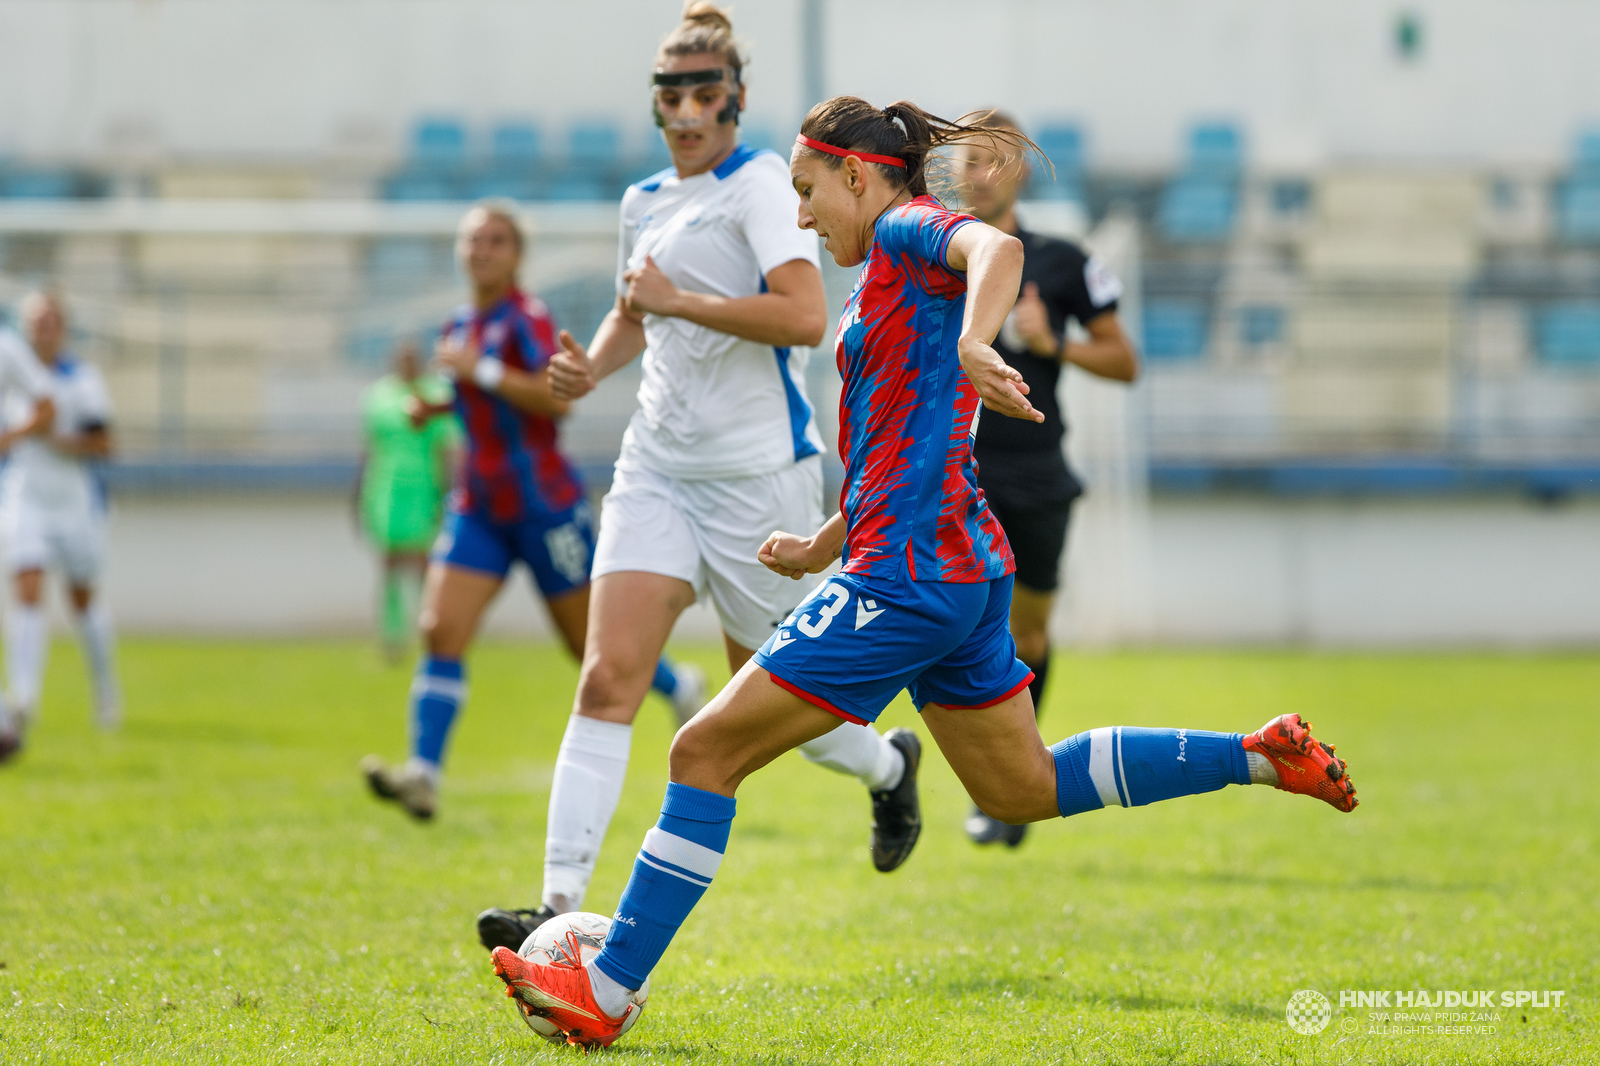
(437, 691)
(1130, 767)
(674, 868)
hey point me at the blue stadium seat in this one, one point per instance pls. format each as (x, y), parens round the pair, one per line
(515, 144)
(575, 186)
(439, 142)
(422, 185)
(1216, 150)
(504, 184)
(1578, 211)
(1063, 145)
(1174, 330)
(1198, 209)
(593, 143)
(1260, 324)
(1200, 204)
(1586, 160)
(39, 185)
(1568, 334)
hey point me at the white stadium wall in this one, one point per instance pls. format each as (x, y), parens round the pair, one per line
(1312, 82)
(1494, 572)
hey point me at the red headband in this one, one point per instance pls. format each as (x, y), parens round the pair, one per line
(886, 160)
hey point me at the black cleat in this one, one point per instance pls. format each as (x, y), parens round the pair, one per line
(981, 829)
(10, 743)
(896, 812)
(499, 928)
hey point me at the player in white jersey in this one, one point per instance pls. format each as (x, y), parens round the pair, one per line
(52, 514)
(716, 286)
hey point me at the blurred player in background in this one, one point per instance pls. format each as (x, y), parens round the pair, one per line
(53, 514)
(406, 471)
(24, 385)
(922, 600)
(1021, 466)
(715, 282)
(517, 497)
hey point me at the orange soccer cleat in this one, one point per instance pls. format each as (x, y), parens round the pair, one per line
(1304, 764)
(561, 994)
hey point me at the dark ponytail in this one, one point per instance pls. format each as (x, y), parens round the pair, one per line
(905, 131)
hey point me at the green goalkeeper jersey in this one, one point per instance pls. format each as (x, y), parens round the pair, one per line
(406, 478)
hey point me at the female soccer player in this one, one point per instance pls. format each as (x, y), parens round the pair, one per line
(921, 602)
(53, 508)
(715, 284)
(405, 472)
(516, 497)
(1021, 469)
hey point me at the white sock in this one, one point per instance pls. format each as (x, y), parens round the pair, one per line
(588, 783)
(859, 751)
(608, 995)
(1262, 772)
(99, 650)
(27, 642)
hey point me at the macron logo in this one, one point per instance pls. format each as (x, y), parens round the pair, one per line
(781, 639)
(866, 611)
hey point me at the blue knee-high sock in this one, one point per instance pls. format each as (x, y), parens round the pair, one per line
(665, 681)
(436, 692)
(1131, 767)
(674, 868)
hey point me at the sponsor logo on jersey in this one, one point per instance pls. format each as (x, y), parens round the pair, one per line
(866, 611)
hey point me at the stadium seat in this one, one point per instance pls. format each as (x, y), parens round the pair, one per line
(1198, 209)
(435, 169)
(1568, 334)
(1260, 324)
(1578, 197)
(515, 144)
(515, 167)
(1200, 203)
(439, 142)
(1174, 330)
(1216, 150)
(1063, 145)
(593, 144)
(39, 185)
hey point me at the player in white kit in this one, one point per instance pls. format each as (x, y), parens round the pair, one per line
(52, 514)
(716, 283)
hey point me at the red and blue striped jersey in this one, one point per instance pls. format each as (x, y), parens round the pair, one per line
(514, 469)
(905, 417)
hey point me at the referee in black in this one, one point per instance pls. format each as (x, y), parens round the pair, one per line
(1021, 466)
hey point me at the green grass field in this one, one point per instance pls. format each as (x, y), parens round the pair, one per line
(214, 885)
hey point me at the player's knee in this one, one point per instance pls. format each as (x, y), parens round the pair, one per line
(609, 682)
(698, 757)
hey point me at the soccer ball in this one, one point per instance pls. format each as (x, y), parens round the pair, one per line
(553, 944)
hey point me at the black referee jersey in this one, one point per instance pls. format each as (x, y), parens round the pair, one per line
(1022, 461)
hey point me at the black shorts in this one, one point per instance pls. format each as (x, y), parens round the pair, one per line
(1037, 530)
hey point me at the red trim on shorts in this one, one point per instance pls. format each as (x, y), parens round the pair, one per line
(818, 701)
(997, 700)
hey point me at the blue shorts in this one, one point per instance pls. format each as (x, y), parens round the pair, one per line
(558, 548)
(856, 642)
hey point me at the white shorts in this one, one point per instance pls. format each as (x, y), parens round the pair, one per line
(707, 533)
(37, 538)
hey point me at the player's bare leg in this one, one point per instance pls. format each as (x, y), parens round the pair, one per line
(453, 601)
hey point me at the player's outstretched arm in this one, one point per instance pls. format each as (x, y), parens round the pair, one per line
(794, 556)
(793, 310)
(993, 264)
(575, 370)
